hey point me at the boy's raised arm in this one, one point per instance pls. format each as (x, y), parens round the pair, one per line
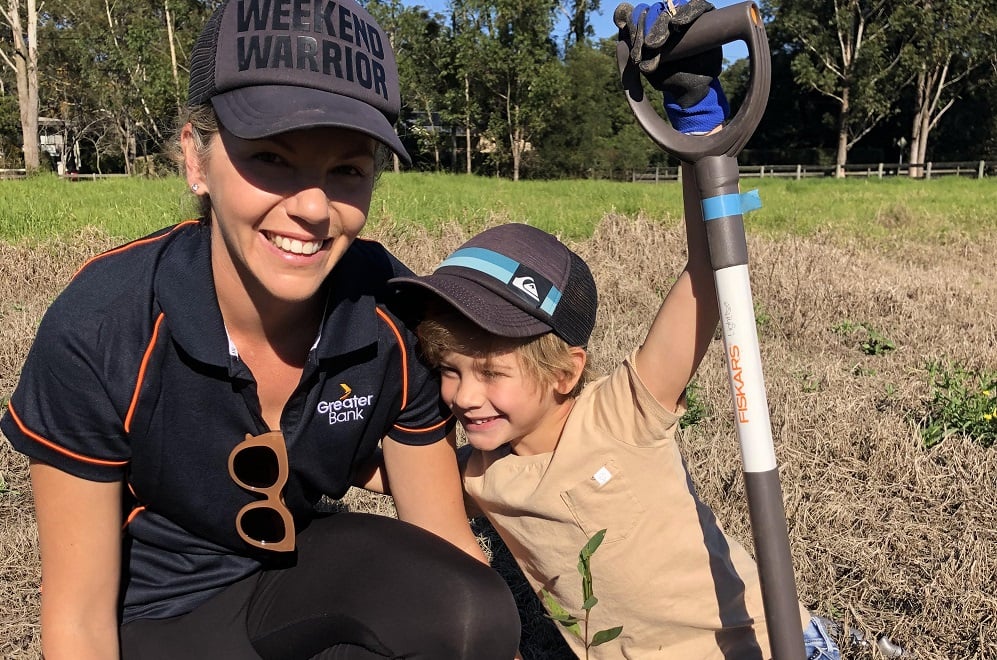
(695, 104)
(687, 319)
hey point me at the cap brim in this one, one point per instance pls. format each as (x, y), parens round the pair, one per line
(479, 304)
(266, 110)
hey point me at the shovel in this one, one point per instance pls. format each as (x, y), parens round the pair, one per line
(714, 159)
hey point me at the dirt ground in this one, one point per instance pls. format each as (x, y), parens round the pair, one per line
(886, 535)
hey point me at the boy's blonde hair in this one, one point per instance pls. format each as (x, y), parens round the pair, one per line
(544, 359)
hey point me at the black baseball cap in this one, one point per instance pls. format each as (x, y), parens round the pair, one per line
(517, 281)
(268, 67)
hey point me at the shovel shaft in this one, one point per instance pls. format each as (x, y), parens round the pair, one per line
(717, 178)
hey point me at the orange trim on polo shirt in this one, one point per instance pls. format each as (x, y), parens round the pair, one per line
(401, 347)
(53, 446)
(424, 430)
(141, 372)
(128, 246)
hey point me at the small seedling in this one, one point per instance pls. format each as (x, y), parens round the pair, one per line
(695, 410)
(875, 342)
(580, 627)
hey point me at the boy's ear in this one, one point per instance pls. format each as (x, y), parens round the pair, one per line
(192, 160)
(566, 383)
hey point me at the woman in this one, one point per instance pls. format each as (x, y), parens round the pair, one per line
(202, 388)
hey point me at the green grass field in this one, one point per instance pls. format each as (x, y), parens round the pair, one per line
(46, 206)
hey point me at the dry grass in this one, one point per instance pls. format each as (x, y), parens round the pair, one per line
(886, 535)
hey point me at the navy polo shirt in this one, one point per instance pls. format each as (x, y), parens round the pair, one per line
(132, 377)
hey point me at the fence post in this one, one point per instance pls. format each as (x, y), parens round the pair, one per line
(657, 172)
(979, 170)
(799, 171)
(880, 170)
(927, 173)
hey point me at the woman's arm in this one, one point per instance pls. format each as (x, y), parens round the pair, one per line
(425, 484)
(684, 326)
(79, 530)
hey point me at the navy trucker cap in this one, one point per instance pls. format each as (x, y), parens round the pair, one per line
(515, 280)
(272, 66)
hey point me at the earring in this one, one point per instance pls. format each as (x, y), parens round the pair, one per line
(193, 188)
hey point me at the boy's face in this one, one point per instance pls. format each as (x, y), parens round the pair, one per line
(497, 403)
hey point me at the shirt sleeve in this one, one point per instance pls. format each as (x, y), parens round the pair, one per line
(625, 405)
(425, 419)
(62, 412)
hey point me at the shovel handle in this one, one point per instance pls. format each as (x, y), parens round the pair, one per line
(740, 22)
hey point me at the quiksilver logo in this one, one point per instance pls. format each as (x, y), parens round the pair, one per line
(347, 408)
(526, 284)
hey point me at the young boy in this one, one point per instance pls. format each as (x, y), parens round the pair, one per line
(554, 462)
(509, 316)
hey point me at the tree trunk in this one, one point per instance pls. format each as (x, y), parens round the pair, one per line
(25, 65)
(843, 119)
(173, 55)
(467, 122)
(434, 133)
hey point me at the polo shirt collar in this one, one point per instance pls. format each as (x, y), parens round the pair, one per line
(349, 322)
(186, 293)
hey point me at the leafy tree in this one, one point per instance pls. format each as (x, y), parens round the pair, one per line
(524, 80)
(849, 51)
(595, 132)
(114, 73)
(578, 13)
(422, 47)
(953, 44)
(467, 20)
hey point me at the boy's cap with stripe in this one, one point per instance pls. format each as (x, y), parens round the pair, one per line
(517, 281)
(269, 67)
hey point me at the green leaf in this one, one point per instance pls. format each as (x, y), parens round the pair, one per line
(607, 635)
(559, 614)
(590, 603)
(592, 545)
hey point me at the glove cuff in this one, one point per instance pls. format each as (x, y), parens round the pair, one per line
(701, 117)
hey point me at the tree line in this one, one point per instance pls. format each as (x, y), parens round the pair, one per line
(520, 88)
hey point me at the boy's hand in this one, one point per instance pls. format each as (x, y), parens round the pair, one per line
(694, 100)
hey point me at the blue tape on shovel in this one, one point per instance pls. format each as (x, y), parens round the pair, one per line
(724, 206)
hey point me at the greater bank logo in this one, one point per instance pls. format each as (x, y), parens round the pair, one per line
(349, 407)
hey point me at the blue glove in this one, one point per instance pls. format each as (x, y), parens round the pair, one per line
(694, 100)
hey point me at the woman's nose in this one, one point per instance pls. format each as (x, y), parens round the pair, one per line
(309, 204)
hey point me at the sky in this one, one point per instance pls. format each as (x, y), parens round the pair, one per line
(602, 22)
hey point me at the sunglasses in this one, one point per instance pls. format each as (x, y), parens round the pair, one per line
(259, 464)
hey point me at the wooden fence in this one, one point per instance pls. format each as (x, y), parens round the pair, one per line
(974, 169)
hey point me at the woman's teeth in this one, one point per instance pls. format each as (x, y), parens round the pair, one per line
(294, 246)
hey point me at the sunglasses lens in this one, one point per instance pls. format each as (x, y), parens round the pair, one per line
(264, 525)
(256, 467)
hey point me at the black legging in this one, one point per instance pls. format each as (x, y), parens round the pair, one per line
(363, 586)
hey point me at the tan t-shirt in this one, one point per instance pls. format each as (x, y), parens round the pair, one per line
(665, 570)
